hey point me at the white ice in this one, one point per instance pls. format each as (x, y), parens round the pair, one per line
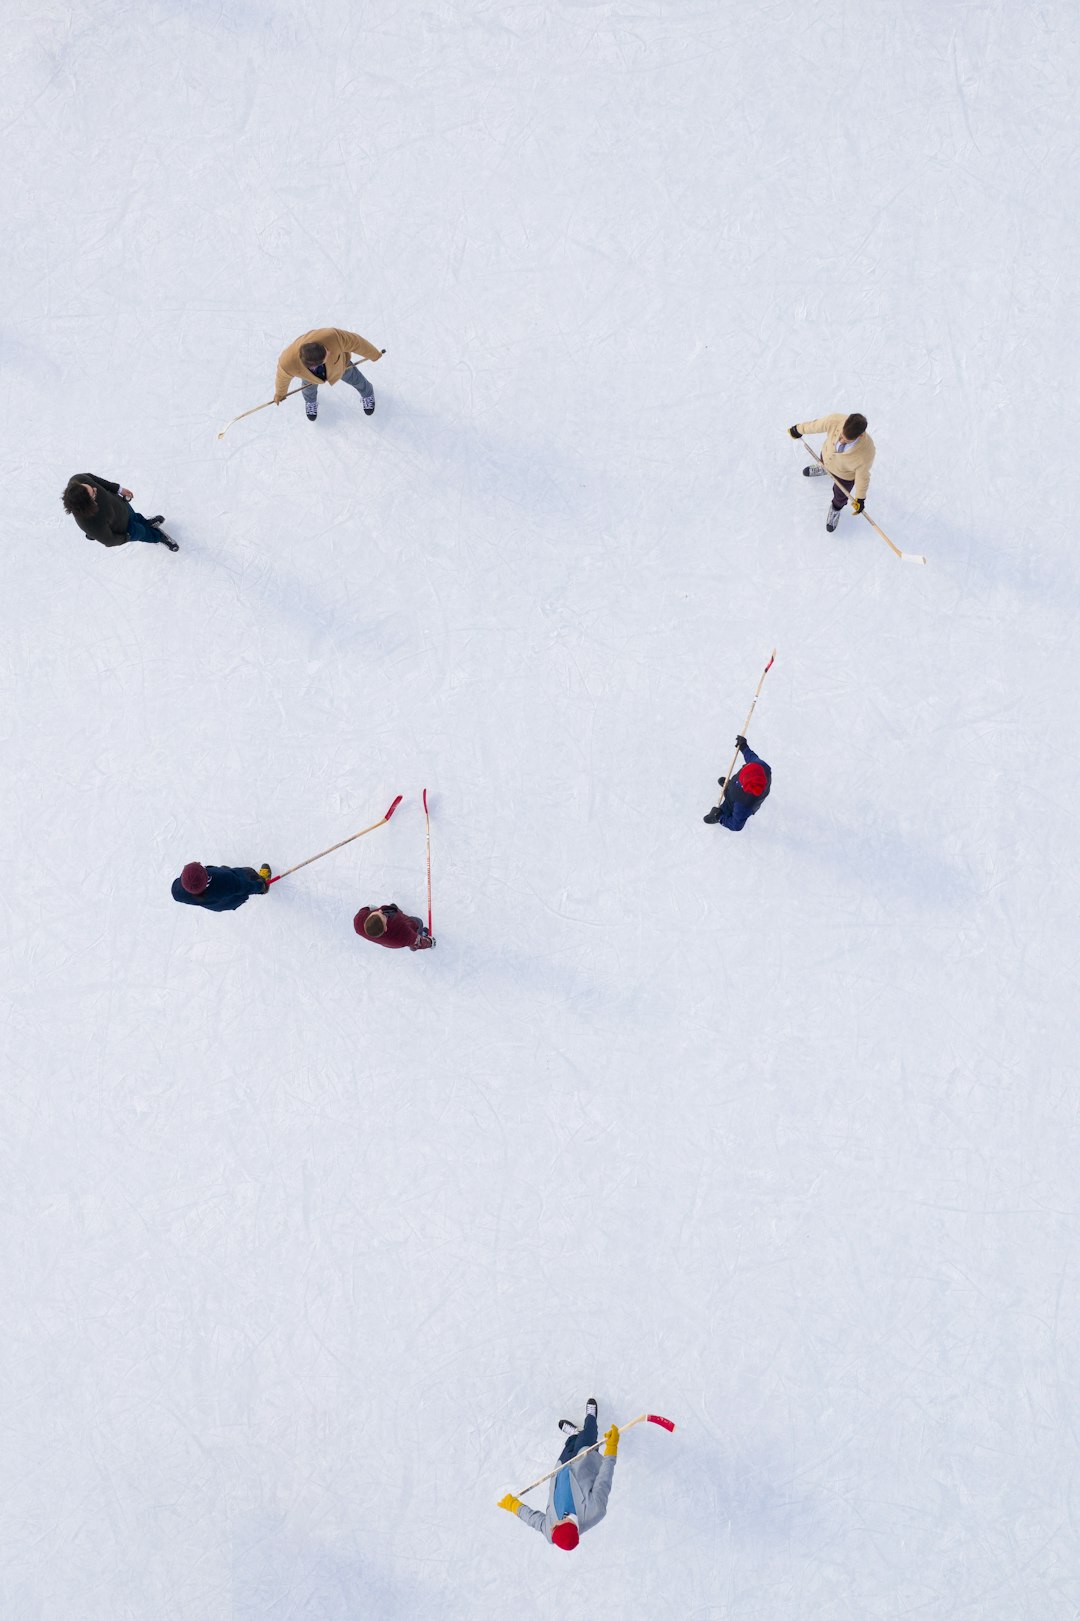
(308, 1246)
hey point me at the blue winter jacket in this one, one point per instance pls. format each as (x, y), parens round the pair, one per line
(229, 887)
(738, 806)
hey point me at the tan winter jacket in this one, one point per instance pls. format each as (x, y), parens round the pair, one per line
(339, 345)
(855, 462)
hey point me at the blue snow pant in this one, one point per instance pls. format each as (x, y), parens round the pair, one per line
(585, 1437)
(352, 375)
(139, 529)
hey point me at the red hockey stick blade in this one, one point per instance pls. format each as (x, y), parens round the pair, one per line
(664, 1423)
(393, 808)
(425, 801)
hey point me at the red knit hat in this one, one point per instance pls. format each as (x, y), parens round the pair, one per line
(565, 1534)
(194, 878)
(752, 778)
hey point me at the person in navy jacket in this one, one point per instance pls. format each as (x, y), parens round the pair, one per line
(746, 792)
(219, 889)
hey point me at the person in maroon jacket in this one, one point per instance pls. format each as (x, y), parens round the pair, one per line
(389, 926)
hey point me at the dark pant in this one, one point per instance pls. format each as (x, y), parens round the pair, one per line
(585, 1437)
(139, 529)
(839, 492)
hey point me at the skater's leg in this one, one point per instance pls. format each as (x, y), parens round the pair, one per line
(840, 489)
(585, 1437)
(356, 378)
(139, 528)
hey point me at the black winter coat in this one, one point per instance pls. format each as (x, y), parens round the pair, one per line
(229, 887)
(109, 524)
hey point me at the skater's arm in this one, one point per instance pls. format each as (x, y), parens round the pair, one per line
(821, 424)
(102, 483)
(748, 754)
(282, 380)
(862, 477)
(355, 344)
(531, 1516)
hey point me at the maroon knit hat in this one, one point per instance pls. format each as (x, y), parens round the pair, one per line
(752, 778)
(194, 878)
(565, 1535)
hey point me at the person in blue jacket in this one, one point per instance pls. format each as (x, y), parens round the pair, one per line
(746, 792)
(219, 889)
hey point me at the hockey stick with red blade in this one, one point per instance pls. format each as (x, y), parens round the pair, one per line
(278, 876)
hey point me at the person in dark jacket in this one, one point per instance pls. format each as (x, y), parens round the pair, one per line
(219, 889)
(389, 926)
(746, 792)
(104, 512)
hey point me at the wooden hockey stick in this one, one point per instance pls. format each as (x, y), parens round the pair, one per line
(279, 876)
(642, 1418)
(261, 407)
(746, 725)
(905, 557)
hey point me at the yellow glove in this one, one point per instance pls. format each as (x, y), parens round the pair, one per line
(510, 1503)
(857, 506)
(611, 1442)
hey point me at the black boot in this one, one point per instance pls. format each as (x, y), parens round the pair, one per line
(713, 816)
(155, 522)
(166, 541)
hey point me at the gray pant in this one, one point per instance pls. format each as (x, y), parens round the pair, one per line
(351, 374)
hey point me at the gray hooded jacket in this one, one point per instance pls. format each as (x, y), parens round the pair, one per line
(590, 1487)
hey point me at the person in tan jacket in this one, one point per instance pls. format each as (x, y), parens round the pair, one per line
(848, 454)
(325, 356)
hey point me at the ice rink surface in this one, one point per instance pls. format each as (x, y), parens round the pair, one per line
(308, 1246)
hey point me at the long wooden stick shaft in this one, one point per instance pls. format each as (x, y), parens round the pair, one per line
(252, 412)
(746, 723)
(427, 821)
(622, 1431)
(352, 836)
(905, 557)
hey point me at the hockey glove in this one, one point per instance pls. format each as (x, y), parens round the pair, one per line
(611, 1442)
(510, 1503)
(740, 743)
(857, 507)
(794, 432)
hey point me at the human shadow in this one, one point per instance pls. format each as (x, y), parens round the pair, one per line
(746, 1492)
(878, 858)
(536, 476)
(969, 555)
(321, 610)
(277, 1574)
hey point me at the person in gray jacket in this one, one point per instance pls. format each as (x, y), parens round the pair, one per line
(579, 1492)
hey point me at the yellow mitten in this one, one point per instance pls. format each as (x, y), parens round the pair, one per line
(611, 1442)
(510, 1503)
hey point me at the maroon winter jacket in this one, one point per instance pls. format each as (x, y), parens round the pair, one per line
(400, 929)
